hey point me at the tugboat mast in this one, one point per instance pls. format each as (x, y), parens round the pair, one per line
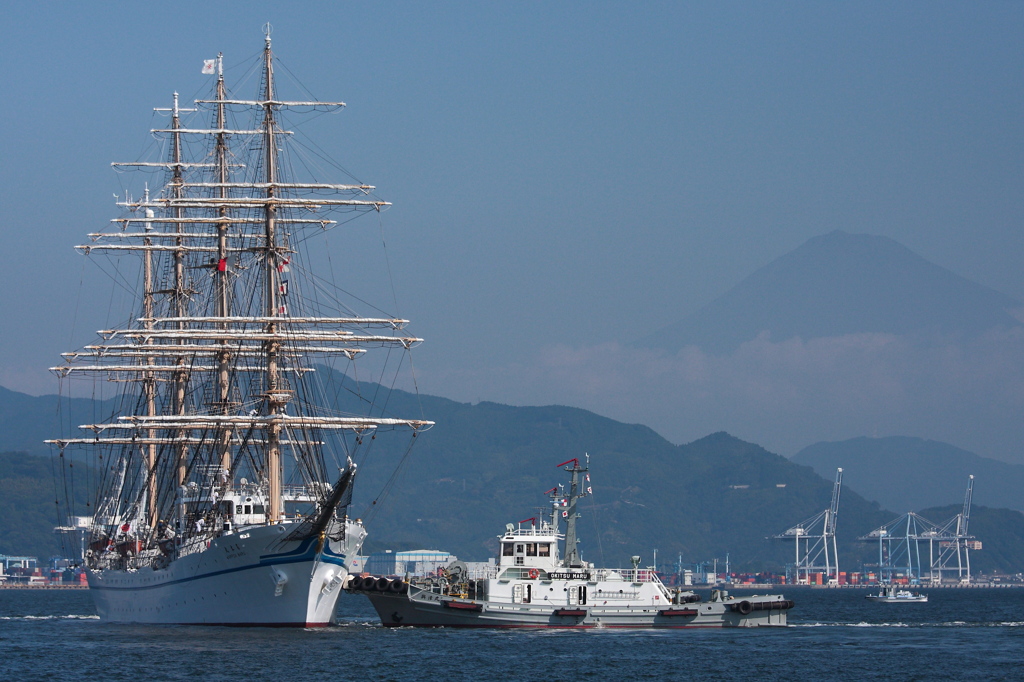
(576, 491)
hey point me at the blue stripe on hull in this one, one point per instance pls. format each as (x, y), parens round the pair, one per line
(305, 552)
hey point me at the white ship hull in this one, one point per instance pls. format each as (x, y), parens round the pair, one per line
(418, 609)
(249, 578)
(890, 595)
(883, 599)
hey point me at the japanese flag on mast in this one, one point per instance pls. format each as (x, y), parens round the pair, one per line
(209, 66)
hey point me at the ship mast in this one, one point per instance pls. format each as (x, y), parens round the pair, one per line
(220, 275)
(275, 399)
(576, 491)
(218, 375)
(149, 382)
(180, 296)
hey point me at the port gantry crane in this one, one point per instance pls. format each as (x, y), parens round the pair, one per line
(899, 545)
(815, 540)
(959, 546)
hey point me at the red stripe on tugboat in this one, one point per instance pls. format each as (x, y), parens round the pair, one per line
(465, 606)
(571, 612)
(677, 612)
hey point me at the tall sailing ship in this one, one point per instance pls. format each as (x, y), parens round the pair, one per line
(226, 469)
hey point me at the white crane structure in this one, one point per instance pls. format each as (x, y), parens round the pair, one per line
(949, 544)
(814, 542)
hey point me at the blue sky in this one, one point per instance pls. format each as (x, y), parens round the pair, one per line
(564, 175)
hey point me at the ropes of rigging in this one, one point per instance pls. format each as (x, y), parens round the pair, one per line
(374, 507)
(310, 393)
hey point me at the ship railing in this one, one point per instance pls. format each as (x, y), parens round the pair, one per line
(611, 595)
(209, 475)
(193, 547)
(629, 575)
(484, 573)
(542, 531)
(301, 493)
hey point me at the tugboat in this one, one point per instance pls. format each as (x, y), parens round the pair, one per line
(890, 595)
(532, 586)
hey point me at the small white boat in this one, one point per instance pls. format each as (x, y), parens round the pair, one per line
(889, 594)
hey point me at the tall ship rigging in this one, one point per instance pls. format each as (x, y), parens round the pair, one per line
(226, 465)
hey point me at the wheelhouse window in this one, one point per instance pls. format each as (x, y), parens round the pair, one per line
(507, 549)
(543, 549)
(531, 549)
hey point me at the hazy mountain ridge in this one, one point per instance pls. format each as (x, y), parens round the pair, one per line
(1001, 532)
(494, 462)
(487, 464)
(909, 474)
(837, 284)
(28, 514)
(27, 421)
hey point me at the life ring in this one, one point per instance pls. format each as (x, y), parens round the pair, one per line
(534, 574)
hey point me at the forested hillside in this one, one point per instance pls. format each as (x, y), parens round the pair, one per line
(484, 465)
(29, 491)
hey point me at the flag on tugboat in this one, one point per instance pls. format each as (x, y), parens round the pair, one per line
(209, 66)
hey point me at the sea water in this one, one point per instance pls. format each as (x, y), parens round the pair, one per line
(833, 634)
